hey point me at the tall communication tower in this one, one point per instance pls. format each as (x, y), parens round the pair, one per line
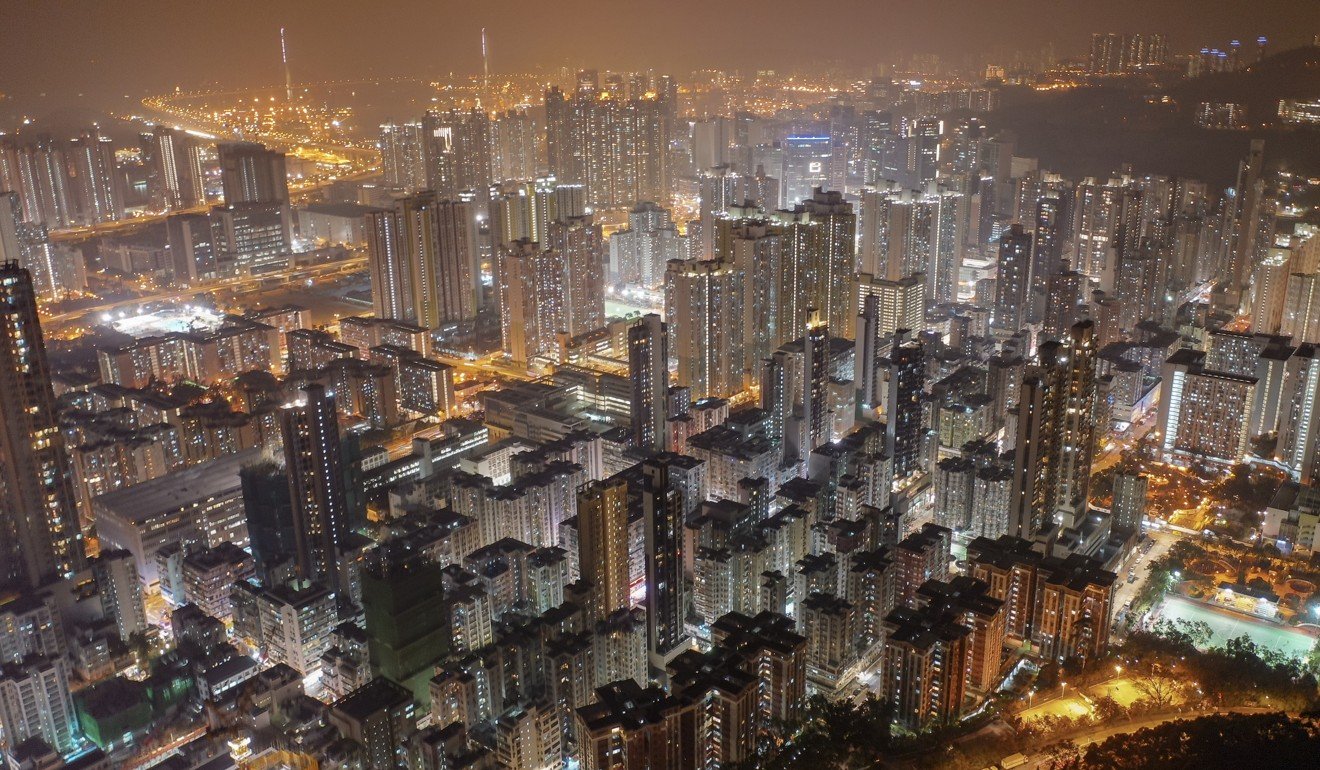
(284, 55)
(485, 70)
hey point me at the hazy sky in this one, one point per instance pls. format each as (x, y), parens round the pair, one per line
(125, 47)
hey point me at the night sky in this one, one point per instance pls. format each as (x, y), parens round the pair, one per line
(116, 48)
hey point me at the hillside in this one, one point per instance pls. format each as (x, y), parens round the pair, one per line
(1091, 131)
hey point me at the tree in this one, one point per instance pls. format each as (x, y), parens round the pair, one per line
(1063, 753)
(836, 733)
(1108, 709)
(1159, 692)
(1216, 742)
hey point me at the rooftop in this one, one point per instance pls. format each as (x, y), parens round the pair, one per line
(140, 503)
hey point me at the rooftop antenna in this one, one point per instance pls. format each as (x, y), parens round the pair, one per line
(485, 69)
(284, 55)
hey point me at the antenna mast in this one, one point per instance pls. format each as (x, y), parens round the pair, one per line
(485, 69)
(284, 55)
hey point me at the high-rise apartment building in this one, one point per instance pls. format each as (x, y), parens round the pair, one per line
(176, 178)
(1115, 54)
(513, 146)
(602, 513)
(705, 301)
(57, 270)
(666, 600)
(648, 372)
(457, 150)
(254, 226)
(95, 182)
(252, 173)
(39, 172)
(639, 253)
(908, 232)
(423, 262)
(616, 145)
(820, 252)
(402, 156)
(39, 533)
(36, 702)
(1129, 506)
(1203, 414)
(316, 483)
(532, 299)
(1055, 436)
(1012, 281)
(1299, 415)
(577, 240)
(904, 397)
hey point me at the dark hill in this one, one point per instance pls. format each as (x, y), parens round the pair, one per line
(1092, 130)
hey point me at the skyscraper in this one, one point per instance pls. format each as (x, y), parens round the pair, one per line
(251, 173)
(1129, 501)
(806, 167)
(615, 144)
(901, 303)
(56, 270)
(1299, 418)
(1012, 281)
(602, 512)
(531, 299)
(1055, 436)
(648, 370)
(1114, 54)
(457, 150)
(176, 179)
(39, 533)
(662, 505)
(422, 261)
(255, 223)
(639, 253)
(1250, 191)
(577, 240)
(312, 456)
(820, 251)
(756, 247)
(903, 403)
(39, 172)
(513, 141)
(705, 301)
(1046, 250)
(96, 183)
(401, 155)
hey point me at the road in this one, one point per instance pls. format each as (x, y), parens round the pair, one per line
(1114, 453)
(1042, 761)
(1138, 562)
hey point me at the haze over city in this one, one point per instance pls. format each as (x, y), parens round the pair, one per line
(691, 386)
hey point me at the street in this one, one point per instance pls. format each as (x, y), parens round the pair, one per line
(1042, 761)
(1137, 563)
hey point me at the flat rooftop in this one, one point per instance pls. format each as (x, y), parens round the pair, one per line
(140, 503)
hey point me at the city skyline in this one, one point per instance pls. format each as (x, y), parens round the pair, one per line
(957, 410)
(534, 38)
